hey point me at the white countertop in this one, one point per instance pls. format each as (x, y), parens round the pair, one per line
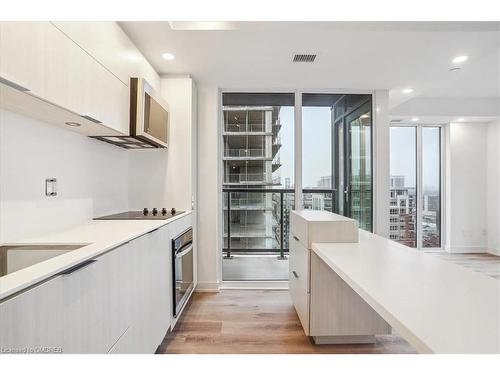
(321, 216)
(435, 305)
(100, 235)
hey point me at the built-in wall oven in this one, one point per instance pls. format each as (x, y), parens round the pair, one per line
(182, 269)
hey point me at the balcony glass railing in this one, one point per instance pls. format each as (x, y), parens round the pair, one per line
(245, 153)
(245, 128)
(240, 178)
(265, 231)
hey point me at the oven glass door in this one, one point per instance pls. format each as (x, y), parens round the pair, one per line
(183, 272)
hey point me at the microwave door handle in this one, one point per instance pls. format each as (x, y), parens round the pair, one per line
(184, 252)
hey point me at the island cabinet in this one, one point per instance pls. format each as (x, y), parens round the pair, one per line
(117, 302)
(328, 309)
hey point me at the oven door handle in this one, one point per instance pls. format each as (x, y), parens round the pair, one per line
(184, 252)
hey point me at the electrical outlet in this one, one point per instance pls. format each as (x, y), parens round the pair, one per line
(51, 187)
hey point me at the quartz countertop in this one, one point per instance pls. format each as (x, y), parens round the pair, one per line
(98, 236)
(437, 306)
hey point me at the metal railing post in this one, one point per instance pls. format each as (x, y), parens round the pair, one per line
(228, 253)
(282, 253)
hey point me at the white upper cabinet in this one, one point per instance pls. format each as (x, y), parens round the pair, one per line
(83, 67)
(22, 49)
(108, 44)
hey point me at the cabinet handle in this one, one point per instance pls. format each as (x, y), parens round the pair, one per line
(78, 267)
(90, 118)
(296, 238)
(295, 274)
(13, 85)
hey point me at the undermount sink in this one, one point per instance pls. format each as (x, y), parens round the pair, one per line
(16, 257)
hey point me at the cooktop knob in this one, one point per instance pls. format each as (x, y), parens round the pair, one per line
(145, 211)
(172, 211)
(155, 211)
(163, 211)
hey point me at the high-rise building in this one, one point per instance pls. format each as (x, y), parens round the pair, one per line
(251, 160)
(402, 212)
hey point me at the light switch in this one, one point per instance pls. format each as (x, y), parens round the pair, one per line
(50, 187)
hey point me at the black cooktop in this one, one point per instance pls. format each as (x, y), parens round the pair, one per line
(145, 214)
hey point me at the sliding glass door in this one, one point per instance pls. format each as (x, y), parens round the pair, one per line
(415, 186)
(358, 174)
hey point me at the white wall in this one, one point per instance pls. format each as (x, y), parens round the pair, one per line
(209, 195)
(381, 162)
(92, 177)
(466, 188)
(493, 187)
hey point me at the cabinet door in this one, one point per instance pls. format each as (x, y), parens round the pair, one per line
(32, 320)
(22, 47)
(76, 81)
(86, 309)
(298, 280)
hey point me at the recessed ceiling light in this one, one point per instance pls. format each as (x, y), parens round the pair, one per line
(460, 59)
(168, 56)
(415, 119)
(408, 90)
(71, 123)
(460, 119)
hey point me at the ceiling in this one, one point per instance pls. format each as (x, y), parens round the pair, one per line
(351, 55)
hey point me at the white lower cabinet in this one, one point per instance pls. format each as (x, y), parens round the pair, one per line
(298, 280)
(30, 322)
(87, 308)
(328, 309)
(118, 302)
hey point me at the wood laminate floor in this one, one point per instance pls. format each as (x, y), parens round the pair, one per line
(255, 322)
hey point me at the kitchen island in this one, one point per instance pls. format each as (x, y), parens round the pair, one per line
(437, 306)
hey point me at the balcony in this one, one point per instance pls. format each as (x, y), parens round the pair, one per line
(246, 129)
(257, 250)
(246, 154)
(246, 179)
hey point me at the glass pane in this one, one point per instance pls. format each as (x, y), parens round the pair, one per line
(431, 183)
(403, 172)
(316, 147)
(317, 150)
(258, 139)
(360, 189)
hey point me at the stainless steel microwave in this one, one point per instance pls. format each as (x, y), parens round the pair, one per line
(149, 114)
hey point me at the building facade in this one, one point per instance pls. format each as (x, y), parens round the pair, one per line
(251, 161)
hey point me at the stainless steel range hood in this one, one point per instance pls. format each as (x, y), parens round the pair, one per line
(149, 119)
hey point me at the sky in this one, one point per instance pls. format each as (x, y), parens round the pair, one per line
(403, 156)
(316, 149)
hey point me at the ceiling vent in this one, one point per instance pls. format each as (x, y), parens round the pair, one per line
(304, 58)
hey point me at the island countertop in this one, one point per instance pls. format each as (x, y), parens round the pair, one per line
(437, 306)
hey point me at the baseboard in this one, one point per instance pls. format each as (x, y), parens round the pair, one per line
(207, 287)
(467, 249)
(268, 285)
(494, 252)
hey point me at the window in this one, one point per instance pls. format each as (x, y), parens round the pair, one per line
(415, 181)
(337, 155)
(258, 156)
(258, 163)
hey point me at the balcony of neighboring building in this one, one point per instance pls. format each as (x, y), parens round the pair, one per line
(248, 121)
(244, 230)
(259, 203)
(246, 154)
